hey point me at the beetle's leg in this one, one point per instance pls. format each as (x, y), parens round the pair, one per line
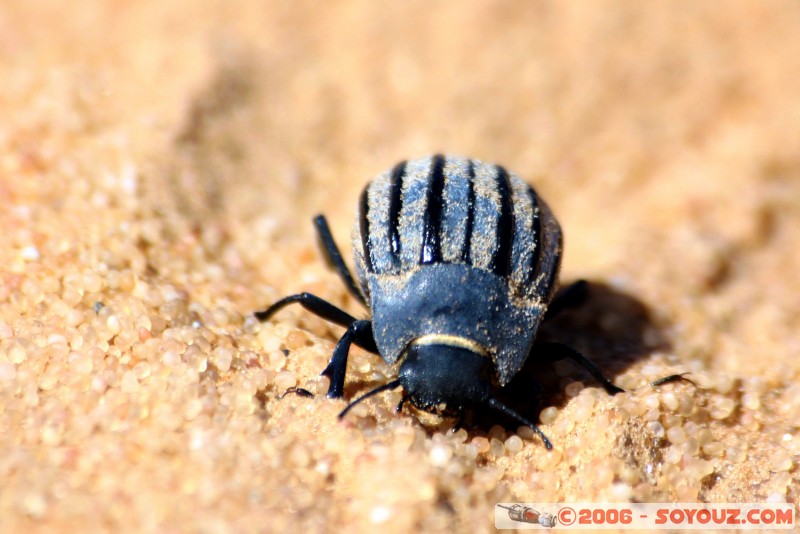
(300, 392)
(334, 257)
(359, 332)
(554, 352)
(571, 296)
(323, 309)
(463, 419)
(673, 378)
(312, 303)
(400, 404)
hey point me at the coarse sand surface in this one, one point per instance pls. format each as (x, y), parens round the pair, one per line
(160, 163)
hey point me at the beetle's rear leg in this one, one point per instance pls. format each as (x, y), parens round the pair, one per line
(335, 259)
(570, 297)
(553, 352)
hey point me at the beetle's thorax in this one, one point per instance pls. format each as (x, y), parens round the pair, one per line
(453, 300)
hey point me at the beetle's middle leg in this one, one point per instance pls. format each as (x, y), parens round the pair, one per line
(312, 303)
(323, 309)
(358, 332)
(553, 352)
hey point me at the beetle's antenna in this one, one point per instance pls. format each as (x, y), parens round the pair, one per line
(500, 407)
(391, 385)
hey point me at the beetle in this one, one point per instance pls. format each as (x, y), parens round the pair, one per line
(457, 261)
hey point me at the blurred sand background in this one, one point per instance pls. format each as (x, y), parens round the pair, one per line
(159, 166)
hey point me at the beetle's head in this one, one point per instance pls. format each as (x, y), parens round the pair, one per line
(445, 379)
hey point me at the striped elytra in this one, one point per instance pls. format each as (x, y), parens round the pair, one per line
(445, 209)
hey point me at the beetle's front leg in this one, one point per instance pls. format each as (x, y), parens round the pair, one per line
(360, 333)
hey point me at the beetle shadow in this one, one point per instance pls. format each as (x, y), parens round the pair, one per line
(611, 328)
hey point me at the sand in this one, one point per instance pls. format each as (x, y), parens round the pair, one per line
(159, 166)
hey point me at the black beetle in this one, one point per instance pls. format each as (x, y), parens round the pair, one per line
(458, 262)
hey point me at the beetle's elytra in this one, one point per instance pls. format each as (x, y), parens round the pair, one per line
(457, 261)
